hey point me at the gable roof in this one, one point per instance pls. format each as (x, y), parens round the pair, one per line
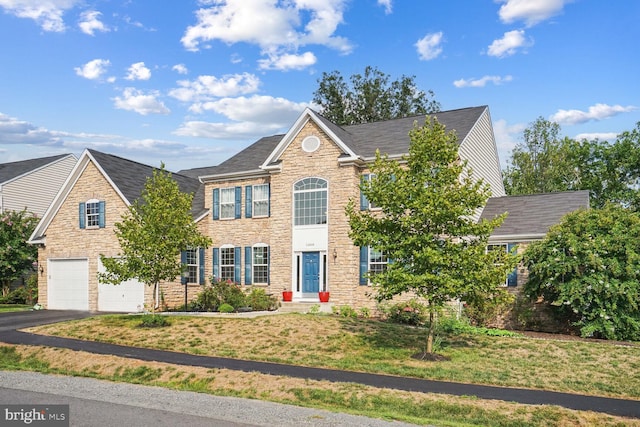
(128, 179)
(529, 217)
(356, 141)
(13, 170)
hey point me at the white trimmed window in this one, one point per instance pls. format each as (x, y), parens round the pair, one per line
(192, 264)
(260, 264)
(261, 200)
(227, 203)
(310, 201)
(227, 263)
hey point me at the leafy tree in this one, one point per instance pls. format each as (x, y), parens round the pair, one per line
(16, 255)
(539, 164)
(370, 97)
(153, 232)
(545, 162)
(426, 225)
(588, 270)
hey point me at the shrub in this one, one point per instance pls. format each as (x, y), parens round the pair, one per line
(345, 311)
(154, 321)
(259, 300)
(219, 292)
(483, 308)
(410, 312)
(588, 269)
(226, 308)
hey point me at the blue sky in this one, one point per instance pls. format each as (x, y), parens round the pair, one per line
(190, 83)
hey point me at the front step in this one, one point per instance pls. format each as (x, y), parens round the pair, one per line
(305, 307)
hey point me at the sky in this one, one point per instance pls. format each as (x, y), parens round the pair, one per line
(189, 83)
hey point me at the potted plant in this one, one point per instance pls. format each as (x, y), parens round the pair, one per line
(324, 296)
(287, 295)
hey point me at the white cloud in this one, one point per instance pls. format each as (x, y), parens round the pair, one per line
(602, 136)
(208, 87)
(136, 100)
(482, 82)
(287, 62)
(14, 131)
(250, 117)
(180, 69)
(93, 70)
(138, 71)
(595, 112)
(48, 14)
(90, 22)
(387, 4)
(261, 109)
(531, 12)
(509, 44)
(271, 25)
(429, 46)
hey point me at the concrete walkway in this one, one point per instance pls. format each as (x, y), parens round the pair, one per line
(613, 406)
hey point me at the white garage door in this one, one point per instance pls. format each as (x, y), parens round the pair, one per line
(127, 297)
(68, 284)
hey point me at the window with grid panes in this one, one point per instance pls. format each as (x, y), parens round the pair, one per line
(310, 201)
(227, 264)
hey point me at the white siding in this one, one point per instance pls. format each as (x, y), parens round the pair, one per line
(35, 191)
(479, 149)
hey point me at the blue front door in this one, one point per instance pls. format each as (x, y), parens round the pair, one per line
(310, 272)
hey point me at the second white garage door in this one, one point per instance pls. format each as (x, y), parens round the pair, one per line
(68, 284)
(127, 297)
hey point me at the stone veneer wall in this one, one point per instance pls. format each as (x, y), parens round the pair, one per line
(65, 239)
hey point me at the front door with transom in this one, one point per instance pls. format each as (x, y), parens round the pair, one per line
(310, 274)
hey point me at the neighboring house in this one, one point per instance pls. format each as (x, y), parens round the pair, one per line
(275, 212)
(32, 184)
(79, 226)
(529, 218)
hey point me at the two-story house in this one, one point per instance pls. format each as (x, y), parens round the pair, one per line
(275, 212)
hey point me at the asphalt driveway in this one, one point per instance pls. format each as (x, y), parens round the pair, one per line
(10, 322)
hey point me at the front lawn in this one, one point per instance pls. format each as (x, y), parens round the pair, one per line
(596, 368)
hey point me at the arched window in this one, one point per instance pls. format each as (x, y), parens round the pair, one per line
(310, 201)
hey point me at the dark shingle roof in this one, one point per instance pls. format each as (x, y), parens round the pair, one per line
(533, 214)
(390, 136)
(9, 171)
(130, 177)
(251, 158)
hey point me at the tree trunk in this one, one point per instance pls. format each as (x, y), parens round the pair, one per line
(155, 303)
(430, 334)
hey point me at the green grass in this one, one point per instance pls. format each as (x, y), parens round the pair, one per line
(14, 307)
(373, 346)
(343, 397)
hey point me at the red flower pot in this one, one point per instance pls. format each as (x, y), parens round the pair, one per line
(324, 296)
(287, 296)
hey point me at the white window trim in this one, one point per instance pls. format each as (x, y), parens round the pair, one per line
(233, 265)
(254, 201)
(253, 265)
(231, 204)
(95, 215)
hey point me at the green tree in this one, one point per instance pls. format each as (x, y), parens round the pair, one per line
(370, 97)
(426, 226)
(16, 255)
(588, 269)
(153, 232)
(545, 162)
(539, 164)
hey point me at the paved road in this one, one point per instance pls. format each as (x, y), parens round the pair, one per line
(107, 404)
(621, 407)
